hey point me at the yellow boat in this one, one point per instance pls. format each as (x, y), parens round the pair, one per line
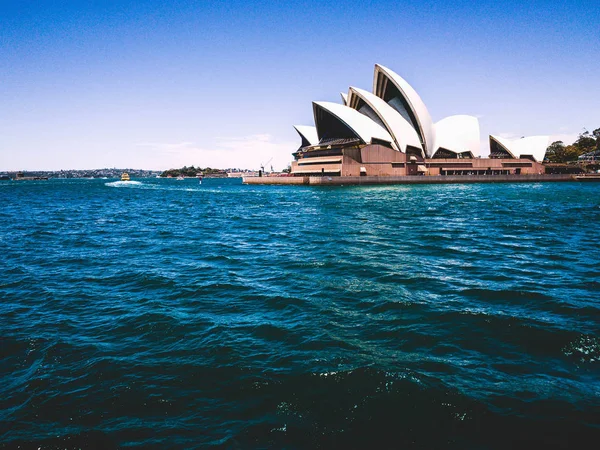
(125, 177)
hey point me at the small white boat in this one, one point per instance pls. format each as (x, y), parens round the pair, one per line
(180, 177)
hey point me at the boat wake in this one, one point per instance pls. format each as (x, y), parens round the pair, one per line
(124, 184)
(140, 185)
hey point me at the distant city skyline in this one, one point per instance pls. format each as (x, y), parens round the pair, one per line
(220, 84)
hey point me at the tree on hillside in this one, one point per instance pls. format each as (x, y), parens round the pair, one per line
(586, 142)
(558, 152)
(553, 150)
(571, 153)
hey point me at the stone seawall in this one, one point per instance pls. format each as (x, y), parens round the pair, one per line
(276, 180)
(338, 181)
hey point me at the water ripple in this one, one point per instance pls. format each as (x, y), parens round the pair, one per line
(168, 314)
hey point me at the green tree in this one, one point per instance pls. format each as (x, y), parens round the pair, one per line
(553, 150)
(596, 134)
(557, 152)
(571, 153)
(586, 142)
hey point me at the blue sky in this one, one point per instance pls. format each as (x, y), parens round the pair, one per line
(159, 84)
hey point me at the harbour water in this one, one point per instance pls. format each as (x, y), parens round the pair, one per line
(168, 314)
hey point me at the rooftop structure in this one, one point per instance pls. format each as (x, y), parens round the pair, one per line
(386, 116)
(308, 134)
(533, 147)
(335, 121)
(388, 130)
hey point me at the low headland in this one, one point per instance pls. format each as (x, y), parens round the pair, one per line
(185, 172)
(208, 172)
(76, 173)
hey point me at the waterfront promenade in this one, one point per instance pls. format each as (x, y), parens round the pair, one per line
(440, 179)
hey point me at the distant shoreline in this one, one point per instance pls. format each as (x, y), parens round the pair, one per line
(83, 173)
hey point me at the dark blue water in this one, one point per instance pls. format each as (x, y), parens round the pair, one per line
(167, 314)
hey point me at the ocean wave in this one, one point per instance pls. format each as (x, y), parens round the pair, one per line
(279, 317)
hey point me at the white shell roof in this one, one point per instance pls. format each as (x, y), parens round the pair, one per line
(360, 124)
(458, 134)
(506, 144)
(308, 132)
(399, 128)
(534, 145)
(344, 98)
(415, 103)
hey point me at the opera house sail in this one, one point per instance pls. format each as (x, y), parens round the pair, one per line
(390, 132)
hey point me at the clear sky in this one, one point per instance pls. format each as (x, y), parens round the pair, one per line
(160, 84)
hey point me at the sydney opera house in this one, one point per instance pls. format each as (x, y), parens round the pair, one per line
(389, 132)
